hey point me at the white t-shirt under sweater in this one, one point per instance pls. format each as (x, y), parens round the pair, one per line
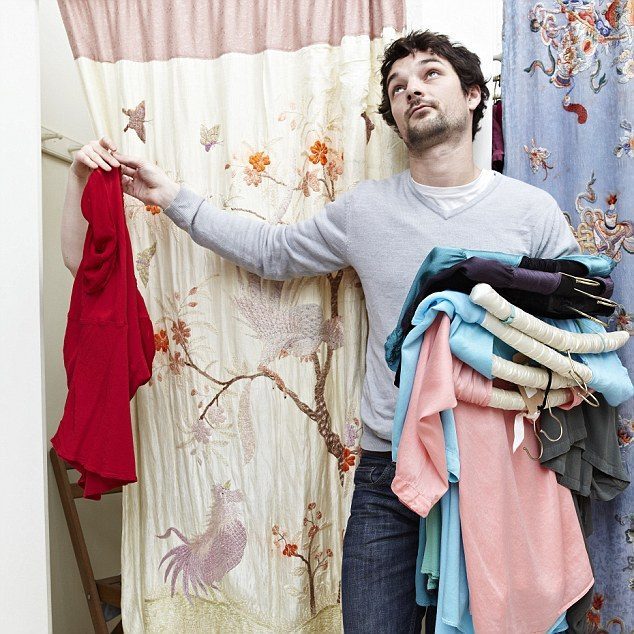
(449, 198)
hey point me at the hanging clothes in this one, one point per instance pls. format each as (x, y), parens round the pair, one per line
(587, 458)
(541, 293)
(497, 153)
(108, 346)
(537, 579)
(442, 258)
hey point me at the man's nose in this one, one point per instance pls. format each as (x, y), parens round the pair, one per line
(414, 91)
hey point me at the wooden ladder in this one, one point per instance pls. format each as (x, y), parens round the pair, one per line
(96, 590)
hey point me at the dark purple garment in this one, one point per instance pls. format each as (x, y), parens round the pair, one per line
(550, 293)
(497, 154)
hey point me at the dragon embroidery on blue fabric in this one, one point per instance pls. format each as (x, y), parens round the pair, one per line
(576, 32)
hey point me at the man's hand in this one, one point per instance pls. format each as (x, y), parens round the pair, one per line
(146, 181)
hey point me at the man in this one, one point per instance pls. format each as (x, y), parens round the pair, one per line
(434, 96)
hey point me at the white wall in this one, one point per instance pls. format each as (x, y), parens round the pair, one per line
(24, 580)
(64, 110)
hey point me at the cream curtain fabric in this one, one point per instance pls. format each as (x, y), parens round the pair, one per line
(247, 435)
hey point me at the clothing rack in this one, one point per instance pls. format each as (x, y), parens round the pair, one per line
(57, 145)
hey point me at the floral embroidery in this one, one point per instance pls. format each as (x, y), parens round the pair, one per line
(176, 362)
(538, 158)
(626, 142)
(347, 460)
(310, 180)
(624, 64)
(313, 561)
(180, 332)
(335, 165)
(252, 177)
(153, 209)
(259, 161)
(593, 617)
(161, 341)
(318, 153)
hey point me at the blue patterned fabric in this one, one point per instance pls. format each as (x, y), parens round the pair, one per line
(568, 100)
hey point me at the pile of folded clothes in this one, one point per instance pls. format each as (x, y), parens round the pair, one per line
(505, 429)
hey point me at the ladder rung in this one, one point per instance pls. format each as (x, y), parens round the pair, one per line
(78, 492)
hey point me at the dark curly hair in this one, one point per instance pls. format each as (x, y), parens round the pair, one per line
(464, 62)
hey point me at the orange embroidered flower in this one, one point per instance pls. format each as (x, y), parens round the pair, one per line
(593, 617)
(153, 209)
(290, 550)
(259, 161)
(319, 153)
(347, 459)
(161, 341)
(597, 601)
(180, 332)
(312, 531)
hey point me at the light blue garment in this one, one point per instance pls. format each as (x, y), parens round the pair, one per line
(453, 589)
(441, 258)
(474, 345)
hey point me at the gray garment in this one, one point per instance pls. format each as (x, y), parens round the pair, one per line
(587, 458)
(384, 229)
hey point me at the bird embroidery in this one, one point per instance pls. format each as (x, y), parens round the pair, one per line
(206, 558)
(137, 119)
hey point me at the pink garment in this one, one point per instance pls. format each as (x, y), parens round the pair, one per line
(525, 555)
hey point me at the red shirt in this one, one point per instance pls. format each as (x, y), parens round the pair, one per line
(108, 346)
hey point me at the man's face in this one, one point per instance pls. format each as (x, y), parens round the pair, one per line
(427, 101)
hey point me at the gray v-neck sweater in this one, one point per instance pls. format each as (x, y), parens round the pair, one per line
(384, 229)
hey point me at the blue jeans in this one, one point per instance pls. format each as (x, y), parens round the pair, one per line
(378, 593)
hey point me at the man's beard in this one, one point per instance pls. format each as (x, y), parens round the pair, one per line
(428, 131)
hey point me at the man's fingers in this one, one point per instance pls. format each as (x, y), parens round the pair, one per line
(106, 143)
(128, 171)
(130, 161)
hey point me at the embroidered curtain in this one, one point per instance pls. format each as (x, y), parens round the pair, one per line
(568, 99)
(247, 435)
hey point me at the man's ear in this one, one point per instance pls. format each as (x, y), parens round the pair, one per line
(474, 97)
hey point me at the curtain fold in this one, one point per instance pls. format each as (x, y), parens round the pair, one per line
(568, 99)
(247, 436)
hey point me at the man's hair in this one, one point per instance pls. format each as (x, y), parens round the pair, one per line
(464, 62)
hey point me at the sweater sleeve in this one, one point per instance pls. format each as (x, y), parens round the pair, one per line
(557, 238)
(315, 246)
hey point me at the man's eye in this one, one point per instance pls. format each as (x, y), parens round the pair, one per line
(396, 89)
(432, 71)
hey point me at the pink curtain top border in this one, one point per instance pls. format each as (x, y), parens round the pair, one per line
(147, 30)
